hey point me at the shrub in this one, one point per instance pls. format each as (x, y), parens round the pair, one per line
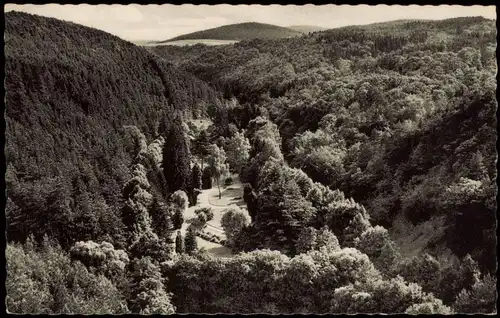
(207, 211)
(149, 244)
(229, 181)
(233, 220)
(429, 308)
(210, 237)
(180, 199)
(100, 256)
(198, 223)
(202, 217)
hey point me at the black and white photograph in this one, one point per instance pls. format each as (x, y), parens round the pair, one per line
(250, 159)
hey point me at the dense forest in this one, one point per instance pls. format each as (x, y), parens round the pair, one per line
(399, 116)
(71, 93)
(368, 157)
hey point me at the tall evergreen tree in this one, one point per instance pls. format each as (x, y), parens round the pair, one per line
(201, 144)
(179, 243)
(176, 158)
(161, 217)
(177, 219)
(207, 178)
(196, 177)
(196, 183)
(190, 244)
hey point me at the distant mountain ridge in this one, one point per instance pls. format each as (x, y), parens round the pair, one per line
(239, 32)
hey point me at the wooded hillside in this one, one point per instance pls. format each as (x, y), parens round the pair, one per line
(70, 91)
(384, 112)
(348, 171)
(239, 32)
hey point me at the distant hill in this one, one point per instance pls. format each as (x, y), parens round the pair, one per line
(70, 90)
(403, 25)
(306, 28)
(239, 32)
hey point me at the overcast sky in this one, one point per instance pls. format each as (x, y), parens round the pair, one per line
(160, 22)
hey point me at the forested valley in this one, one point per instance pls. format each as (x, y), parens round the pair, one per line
(367, 157)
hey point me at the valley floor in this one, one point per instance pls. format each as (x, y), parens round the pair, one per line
(231, 195)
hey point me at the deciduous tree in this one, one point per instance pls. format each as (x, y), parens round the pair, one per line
(217, 162)
(233, 220)
(237, 150)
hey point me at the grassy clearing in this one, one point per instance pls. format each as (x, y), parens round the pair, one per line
(213, 248)
(201, 124)
(413, 240)
(231, 195)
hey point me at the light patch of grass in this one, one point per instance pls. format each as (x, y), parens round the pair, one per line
(232, 195)
(413, 240)
(201, 124)
(214, 248)
(440, 36)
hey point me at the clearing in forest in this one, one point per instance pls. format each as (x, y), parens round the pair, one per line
(230, 195)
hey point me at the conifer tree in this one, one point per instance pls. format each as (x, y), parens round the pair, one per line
(306, 240)
(177, 219)
(161, 218)
(196, 177)
(207, 178)
(179, 243)
(196, 183)
(176, 158)
(200, 145)
(190, 244)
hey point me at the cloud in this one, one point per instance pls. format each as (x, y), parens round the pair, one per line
(127, 13)
(160, 22)
(190, 22)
